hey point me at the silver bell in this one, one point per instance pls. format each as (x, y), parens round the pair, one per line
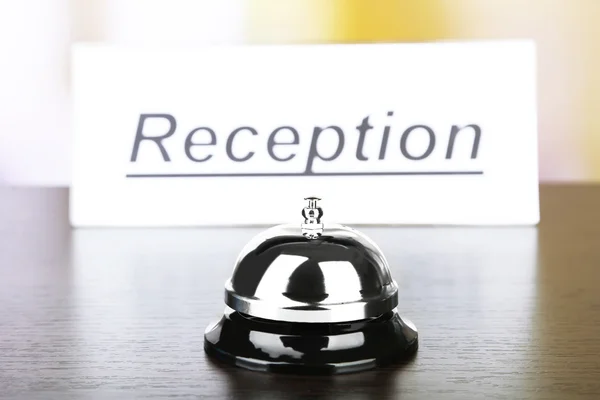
(311, 297)
(311, 273)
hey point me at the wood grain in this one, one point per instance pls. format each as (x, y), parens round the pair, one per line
(93, 314)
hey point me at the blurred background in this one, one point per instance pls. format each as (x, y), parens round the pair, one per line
(36, 35)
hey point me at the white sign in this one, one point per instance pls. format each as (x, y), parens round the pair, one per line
(441, 133)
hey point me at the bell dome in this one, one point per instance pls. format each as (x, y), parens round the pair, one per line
(311, 272)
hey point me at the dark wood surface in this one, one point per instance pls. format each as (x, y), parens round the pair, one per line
(107, 313)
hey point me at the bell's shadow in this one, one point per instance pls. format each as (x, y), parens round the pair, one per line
(379, 383)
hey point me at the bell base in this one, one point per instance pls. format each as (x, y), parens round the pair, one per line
(310, 348)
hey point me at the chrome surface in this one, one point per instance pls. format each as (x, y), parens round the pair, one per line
(339, 276)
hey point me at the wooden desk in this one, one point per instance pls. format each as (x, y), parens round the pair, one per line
(93, 314)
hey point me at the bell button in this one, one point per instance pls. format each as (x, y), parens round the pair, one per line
(311, 298)
(312, 227)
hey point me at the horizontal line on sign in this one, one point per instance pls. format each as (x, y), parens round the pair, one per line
(290, 174)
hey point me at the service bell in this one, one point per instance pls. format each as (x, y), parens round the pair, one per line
(311, 298)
